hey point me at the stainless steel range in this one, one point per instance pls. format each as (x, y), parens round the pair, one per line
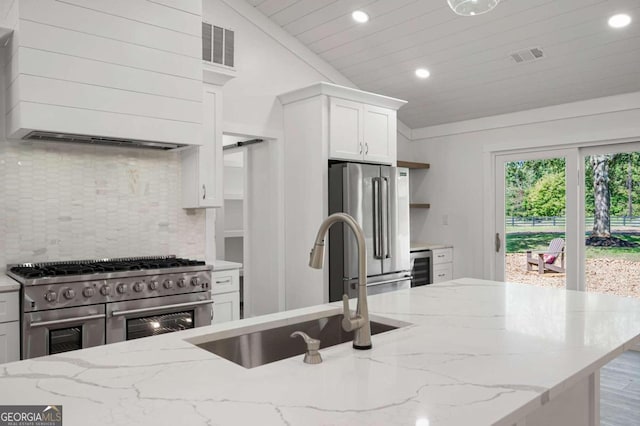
(79, 304)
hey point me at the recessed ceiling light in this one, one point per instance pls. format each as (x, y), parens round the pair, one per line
(360, 17)
(619, 21)
(423, 73)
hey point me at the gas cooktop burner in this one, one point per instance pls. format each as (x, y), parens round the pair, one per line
(57, 269)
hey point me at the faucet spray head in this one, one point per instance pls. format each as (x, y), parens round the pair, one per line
(316, 257)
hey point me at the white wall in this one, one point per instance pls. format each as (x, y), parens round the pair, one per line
(266, 67)
(455, 183)
(269, 62)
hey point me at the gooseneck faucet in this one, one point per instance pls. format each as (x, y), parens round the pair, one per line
(359, 324)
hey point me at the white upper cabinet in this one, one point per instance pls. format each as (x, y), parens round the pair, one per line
(345, 129)
(361, 125)
(361, 132)
(202, 166)
(379, 137)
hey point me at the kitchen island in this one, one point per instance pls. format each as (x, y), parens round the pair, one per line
(474, 353)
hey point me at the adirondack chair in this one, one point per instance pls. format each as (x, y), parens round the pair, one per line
(547, 260)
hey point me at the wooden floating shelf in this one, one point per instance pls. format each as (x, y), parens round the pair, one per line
(420, 205)
(413, 165)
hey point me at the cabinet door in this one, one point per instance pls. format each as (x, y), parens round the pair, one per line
(210, 158)
(379, 134)
(9, 342)
(345, 130)
(202, 165)
(226, 307)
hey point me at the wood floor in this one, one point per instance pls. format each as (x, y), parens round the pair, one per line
(620, 391)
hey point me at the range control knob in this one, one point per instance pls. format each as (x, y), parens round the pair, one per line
(122, 288)
(153, 285)
(69, 293)
(105, 290)
(88, 292)
(139, 286)
(50, 296)
(195, 281)
(168, 284)
(182, 283)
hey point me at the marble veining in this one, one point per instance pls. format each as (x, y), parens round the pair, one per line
(475, 353)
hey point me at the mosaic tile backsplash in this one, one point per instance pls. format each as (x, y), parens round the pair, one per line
(65, 202)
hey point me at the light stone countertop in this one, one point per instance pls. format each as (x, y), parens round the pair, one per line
(8, 284)
(416, 246)
(223, 265)
(477, 353)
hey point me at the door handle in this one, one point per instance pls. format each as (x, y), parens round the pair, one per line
(498, 243)
(384, 216)
(204, 191)
(366, 145)
(377, 234)
(360, 147)
(161, 308)
(67, 320)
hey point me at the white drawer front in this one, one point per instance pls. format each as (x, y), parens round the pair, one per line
(225, 282)
(442, 256)
(9, 342)
(443, 272)
(9, 306)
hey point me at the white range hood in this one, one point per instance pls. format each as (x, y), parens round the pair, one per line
(118, 72)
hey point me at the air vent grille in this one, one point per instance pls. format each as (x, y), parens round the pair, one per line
(218, 45)
(527, 55)
(100, 140)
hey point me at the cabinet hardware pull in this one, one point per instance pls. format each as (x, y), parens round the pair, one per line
(204, 191)
(366, 148)
(223, 281)
(161, 308)
(360, 147)
(67, 320)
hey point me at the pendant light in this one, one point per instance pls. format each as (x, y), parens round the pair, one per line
(472, 7)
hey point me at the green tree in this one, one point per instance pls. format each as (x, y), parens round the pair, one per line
(521, 176)
(547, 196)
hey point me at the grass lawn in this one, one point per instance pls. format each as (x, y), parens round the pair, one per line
(520, 242)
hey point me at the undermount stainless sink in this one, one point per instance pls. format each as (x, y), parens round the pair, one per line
(263, 347)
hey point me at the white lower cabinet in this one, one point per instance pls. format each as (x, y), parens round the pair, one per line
(9, 327)
(442, 265)
(225, 292)
(9, 341)
(226, 307)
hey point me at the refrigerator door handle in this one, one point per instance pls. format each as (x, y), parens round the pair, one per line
(384, 217)
(377, 252)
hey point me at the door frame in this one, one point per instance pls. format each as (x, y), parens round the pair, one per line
(490, 155)
(571, 230)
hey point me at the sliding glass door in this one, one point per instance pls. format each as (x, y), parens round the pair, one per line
(531, 218)
(577, 211)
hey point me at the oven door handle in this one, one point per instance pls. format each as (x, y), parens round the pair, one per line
(160, 308)
(67, 320)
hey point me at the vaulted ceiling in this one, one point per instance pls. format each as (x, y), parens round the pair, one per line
(472, 72)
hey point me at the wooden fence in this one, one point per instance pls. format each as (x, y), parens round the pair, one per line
(560, 221)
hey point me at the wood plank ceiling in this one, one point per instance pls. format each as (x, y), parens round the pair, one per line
(472, 72)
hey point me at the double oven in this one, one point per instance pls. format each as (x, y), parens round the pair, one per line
(65, 313)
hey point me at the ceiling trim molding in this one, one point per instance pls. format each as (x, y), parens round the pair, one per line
(337, 91)
(596, 106)
(289, 42)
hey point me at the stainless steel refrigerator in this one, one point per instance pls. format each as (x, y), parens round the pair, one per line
(378, 198)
